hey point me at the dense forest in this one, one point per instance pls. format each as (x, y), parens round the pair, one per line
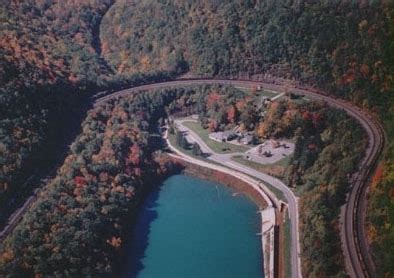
(42, 60)
(338, 45)
(56, 53)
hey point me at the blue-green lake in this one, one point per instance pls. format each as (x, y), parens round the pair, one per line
(190, 227)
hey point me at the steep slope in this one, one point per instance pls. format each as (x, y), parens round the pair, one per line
(338, 46)
(48, 55)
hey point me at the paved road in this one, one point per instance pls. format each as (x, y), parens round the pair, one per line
(292, 200)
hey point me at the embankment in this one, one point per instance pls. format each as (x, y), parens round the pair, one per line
(224, 179)
(268, 213)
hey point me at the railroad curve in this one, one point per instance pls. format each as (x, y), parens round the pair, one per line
(358, 260)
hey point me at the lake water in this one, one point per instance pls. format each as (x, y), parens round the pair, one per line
(194, 228)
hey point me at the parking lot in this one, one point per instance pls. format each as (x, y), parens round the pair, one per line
(271, 151)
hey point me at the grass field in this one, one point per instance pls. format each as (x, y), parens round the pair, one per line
(265, 93)
(217, 147)
(301, 100)
(284, 162)
(269, 94)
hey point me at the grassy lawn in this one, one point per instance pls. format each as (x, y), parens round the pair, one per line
(217, 147)
(301, 100)
(277, 170)
(266, 93)
(269, 94)
(272, 168)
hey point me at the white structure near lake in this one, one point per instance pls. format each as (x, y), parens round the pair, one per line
(269, 152)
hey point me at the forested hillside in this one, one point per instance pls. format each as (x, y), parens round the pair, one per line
(45, 41)
(381, 202)
(48, 54)
(338, 45)
(55, 53)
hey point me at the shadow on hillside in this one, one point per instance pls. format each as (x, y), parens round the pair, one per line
(139, 240)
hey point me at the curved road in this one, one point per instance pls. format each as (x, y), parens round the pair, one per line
(355, 246)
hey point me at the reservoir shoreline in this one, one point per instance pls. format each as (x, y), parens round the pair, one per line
(225, 180)
(188, 222)
(269, 235)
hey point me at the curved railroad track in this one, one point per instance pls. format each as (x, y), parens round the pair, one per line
(358, 259)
